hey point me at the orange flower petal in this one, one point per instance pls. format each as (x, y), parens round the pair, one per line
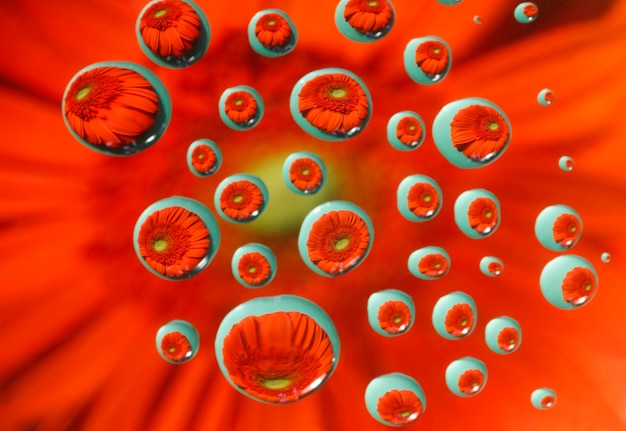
(508, 338)
(254, 268)
(394, 316)
(579, 285)
(432, 57)
(241, 107)
(203, 158)
(176, 346)
(433, 265)
(423, 199)
(399, 407)
(241, 200)
(368, 16)
(272, 30)
(479, 132)
(170, 28)
(459, 320)
(305, 174)
(482, 215)
(566, 229)
(470, 381)
(409, 131)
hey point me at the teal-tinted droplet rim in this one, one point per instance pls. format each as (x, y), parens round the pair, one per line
(185, 328)
(252, 123)
(355, 35)
(287, 167)
(417, 255)
(377, 299)
(392, 135)
(214, 148)
(492, 330)
(402, 194)
(263, 50)
(240, 177)
(461, 207)
(380, 385)
(444, 304)
(458, 367)
(253, 248)
(414, 71)
(552, 276)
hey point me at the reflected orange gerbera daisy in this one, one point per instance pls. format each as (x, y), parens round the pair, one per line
(272, 30)
(470, 381)
(531, 11)
(459, 320)
(334, 103)
(579, 285)
(305, 174)
(566, 230)
(368, 16)
(479, 132)
(337, 241)
(399, 407)
(111, 106)
(494, 268)
(278, 357)
(432, 57)
(241, 107)
(433, 265)
(423, 199)
(203, 159)
(170, 28)
(241, 200)
(394, 316)
(482, 215)
(254, 268)
(173, 241)
(547, 401)
(508, 338)
(409, 131)
(175, 346)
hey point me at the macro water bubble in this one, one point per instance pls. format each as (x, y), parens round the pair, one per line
(419, 198)
(429, 263)
(364, 21)
(253, 265)
(277, 349)
(526, 12)
(477, 213)
(390, 312)
(272, 33)
(304, 173)
(471, 132)
(454, 315)
(427, 59)
(503, 335)
(176, 238)
(116, 108)
(331, 104)
(568, 282)
(605, 257)
(395, 399)
(477, 19)
(543, 398)
(173, 33)
(466, 376)
(177, 341)
(241, 198)
(241, 107)
(545, 97)
(558, 227)
(566, 163)
(406, 131)
(204, 157)
(491, 266)
(335, 237)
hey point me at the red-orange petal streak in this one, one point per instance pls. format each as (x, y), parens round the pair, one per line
(254, 268)
(175, 346)
(470, 381)
(479, 132)
(272, 30)
(241, 200)
(459, 320)
(170, 28)
(278, 357)
(432, 57)
(578, 285)
(305, 174)
(394, 317)
(409, 131)
(368, 16)
(423, 199)
(566, 229)
(203, 158)
(508, 338)
(482, 215)
(399, 407)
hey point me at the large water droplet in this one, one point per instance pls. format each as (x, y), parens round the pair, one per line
(503, 335)
(241, 198)
(543, 398)
(272, 33)
(177, 341)
(241, 107)
(304, 173)
(558, 227)
(364, 21)
(104, 95)
(454, 315)
(173, 33)
(395, 399)
(253, 265)
(466, 377)
(204, 157)
(429, 263)
(477, 213)
(568, 282)
(176, 238)
(390, 312)
(526, 12)
(427, 60)
(277, 349)
(406, 131)
(419, 198)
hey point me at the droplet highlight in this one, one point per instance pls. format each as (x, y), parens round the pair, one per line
(272, 33)
(177, 341)
(253, 265)
(304, 173)
(543, 398)
(429, 263)
(558, 227)
(569, 282)
(454, 315)
(364, 20)
(477, 213)
(406, 131)
(241, 107)
(503, 335)
(390, 312)
(241, 198)
(395, 399)
(427, 60)
(466, 377)
(526, 12)
(204, 157)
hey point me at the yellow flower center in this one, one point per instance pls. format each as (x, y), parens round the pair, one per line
(588, 287)
(160, 13)
(82, 93)
(493, 126)
(488, 214)
(237, 198)
(252, 269)
(464, 322)
(276, 383)
(338, 92)
(159, 245)
(397, 319)
(305, 171)
(436, 50)
(238, 102)
(341, 243)
(426, 198)
(271, 22)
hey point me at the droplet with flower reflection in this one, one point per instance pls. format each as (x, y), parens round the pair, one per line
(116, 108)
(253, 265)
(568, 282)
(419, 198)
(526, 12)
(566, 163)
(204, 157)
(466, 376)
(491, 266)
(605, 257)
(277, 349)
(406, 130)
(427, 60)
(241, 107)
(173, 33)
(477, 213)
(395, 399)
(390, 312)
(558, 227)
(177, 341)
(304, 172)
(545, 97)
(477, 19)
(241, 198)
(272, 33)
(331, 104)
(429, 263)
(503, 335)
(543, 398)
(364, 20)
(454, 315)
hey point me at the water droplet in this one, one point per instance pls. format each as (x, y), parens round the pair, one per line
(558, 227)
(395, 399)
(277, 349)
(272, 33)
(526, 12)
(449, 2)
(503, 335)
(241, 107)
(335, 238)
(101, 96)
(545, 97)
(429, 263)
(419, 198)
(331, 104)
(478, 19)
(364, 21)
(304, 173)
(491, 266)
(568, 282)
(427, 60)
(566, 163)
(176, 238)
(254, 265)
(406, 131)
(177, 341)
(204, 157)
(454, 315)
(466, 377)
(472, 132)
(241, 198)
(477, 213)
(173, 33)
(390, 312)
(543, 398)
(605, 257)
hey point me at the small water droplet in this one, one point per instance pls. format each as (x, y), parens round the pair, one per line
(406, 131)
(503, 335)
(364, 22)
(204, 157)
(454, 315)
(605, 257)
(429, 263)
(304, 173)
(477, 213)
(177, 341)
(395, 399)
(566, 163)
(272, 33)
(478, 19)
(419, 198)
(558, 227)
(568, 282)
(241, 198)
(241, 107)
(466, 376)
(253, 265)
(491, 266)
(543, 398)
(427, 60)
(545, 97)
(390, 312)
(526, 12)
